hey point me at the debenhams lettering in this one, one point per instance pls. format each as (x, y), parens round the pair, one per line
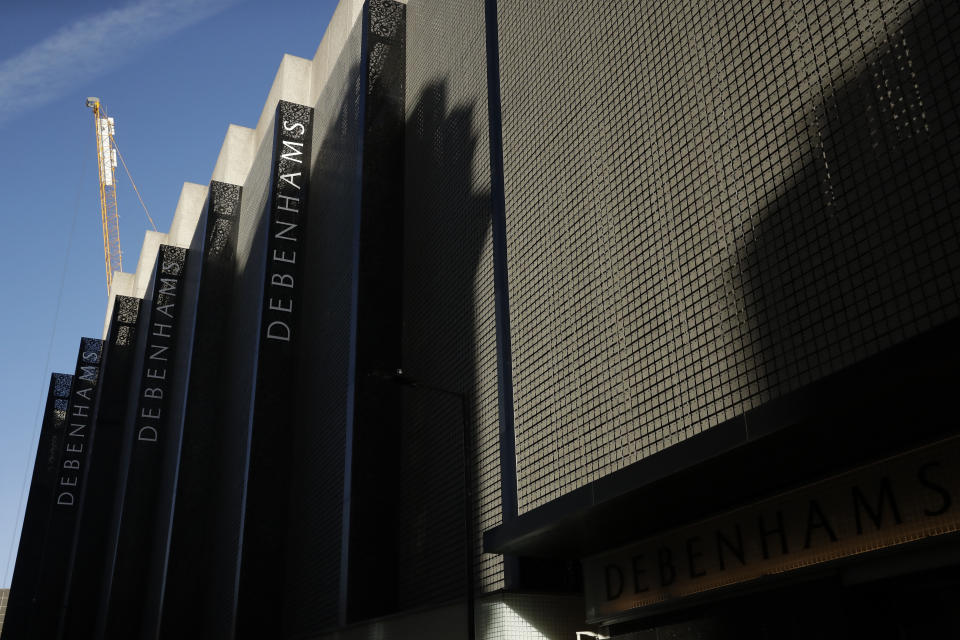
(896, 501)
(78, 425)
(159, 343)
(285, 232)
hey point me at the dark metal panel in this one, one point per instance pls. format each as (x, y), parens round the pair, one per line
(191, 574)
(273, 420)
(64, 510)
(101, 483)
(375, 437)
(142, 523)
(26, 571)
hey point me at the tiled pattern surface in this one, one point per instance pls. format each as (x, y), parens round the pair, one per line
(449, 339)
(516, 616)
(710, 204)
(431, 533)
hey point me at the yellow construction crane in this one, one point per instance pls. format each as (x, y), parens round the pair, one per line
(107, 154)
(106, 163)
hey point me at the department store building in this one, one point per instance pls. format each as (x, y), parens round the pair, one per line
(513, 320)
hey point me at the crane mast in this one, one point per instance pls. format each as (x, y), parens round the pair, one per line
(106, 163)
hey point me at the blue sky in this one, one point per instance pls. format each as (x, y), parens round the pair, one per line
(173, 74)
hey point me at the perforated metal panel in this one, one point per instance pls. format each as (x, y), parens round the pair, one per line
(710, 204)
(313, 568)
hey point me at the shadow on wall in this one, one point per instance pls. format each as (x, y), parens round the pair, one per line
(418, 516)
(315, 529)
(860, 249)
(446, 229)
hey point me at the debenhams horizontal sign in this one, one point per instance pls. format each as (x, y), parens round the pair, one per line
(898, 500)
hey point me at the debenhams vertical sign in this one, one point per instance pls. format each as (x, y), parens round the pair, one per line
(265, 515)
(139, 524)
(76, 439)
(287, 223)
(160, 343)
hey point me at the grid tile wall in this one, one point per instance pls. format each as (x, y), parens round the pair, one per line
(519, 616)
(430, 529)
(449, 338)
(710, 204)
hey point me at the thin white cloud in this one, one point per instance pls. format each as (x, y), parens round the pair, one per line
(92, 46)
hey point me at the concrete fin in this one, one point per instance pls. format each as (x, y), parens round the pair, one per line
(148, 258)
(187, 214)
(334, 38)
(291, 83)
(236, 155)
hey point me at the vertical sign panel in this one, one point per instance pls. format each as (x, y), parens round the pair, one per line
(191, 569)
(98, 496)
(265, 516)
(151, 423)
(26, 573)
(70, 471)
(375, 438)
